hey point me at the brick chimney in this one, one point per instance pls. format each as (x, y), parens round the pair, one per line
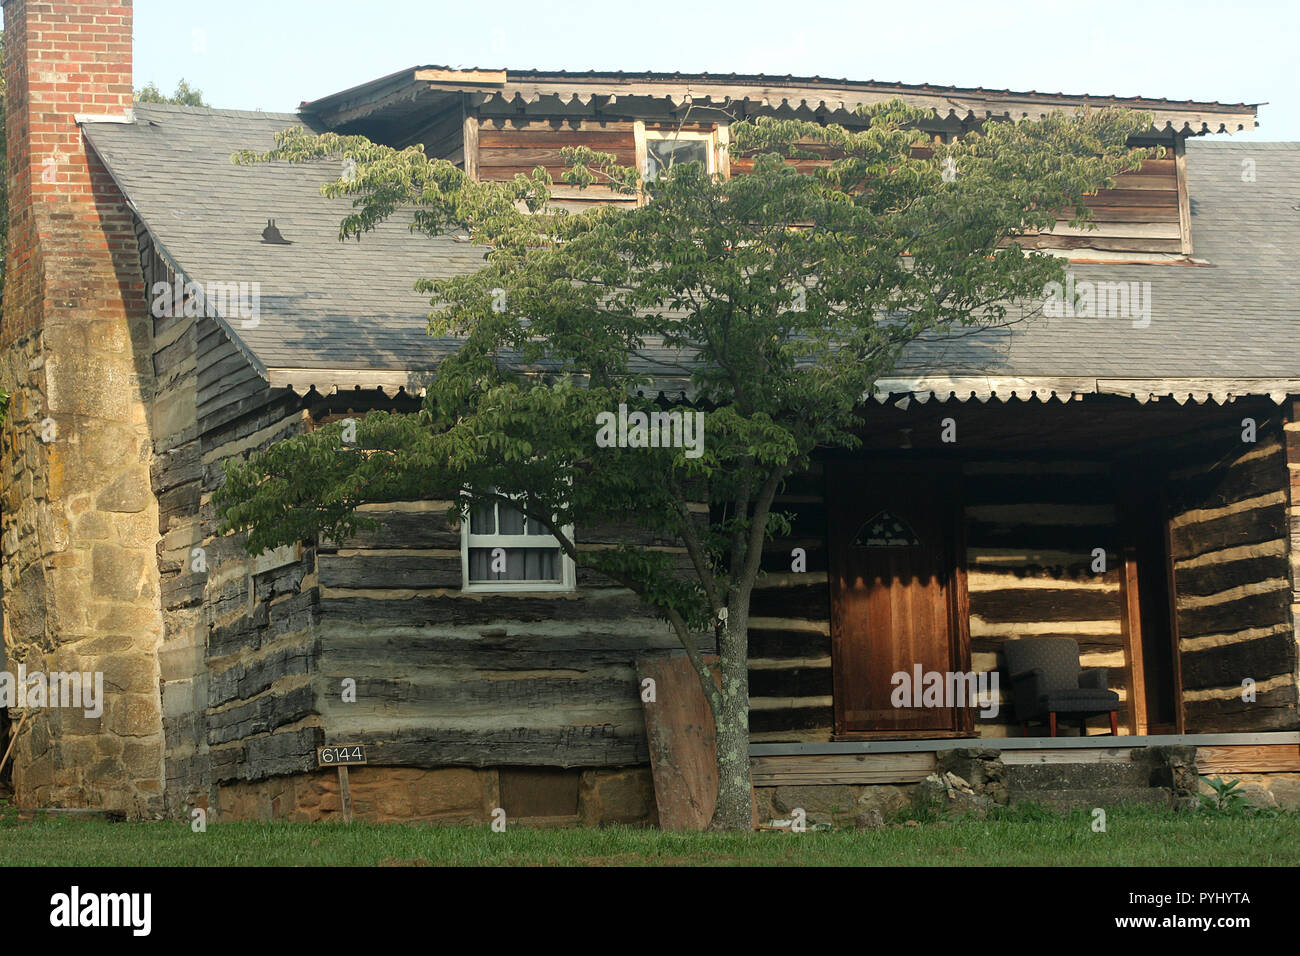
(79, 518)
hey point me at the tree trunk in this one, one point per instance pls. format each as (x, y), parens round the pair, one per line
(734, 809)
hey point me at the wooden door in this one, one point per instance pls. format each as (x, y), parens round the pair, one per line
(897, 593)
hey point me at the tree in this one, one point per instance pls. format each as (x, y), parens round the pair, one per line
(781, 296)
(185, 95)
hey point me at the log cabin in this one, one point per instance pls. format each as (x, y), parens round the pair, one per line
(1123, 480)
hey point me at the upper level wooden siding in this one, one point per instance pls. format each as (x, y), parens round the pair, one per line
(1146, 212)
(506, 148)
(1141, 214)
(503, 152)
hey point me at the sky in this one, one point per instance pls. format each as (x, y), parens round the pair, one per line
(273, 54)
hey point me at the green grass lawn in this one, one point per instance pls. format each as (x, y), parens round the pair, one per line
(1021, 837)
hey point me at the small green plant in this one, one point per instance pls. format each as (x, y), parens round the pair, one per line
(923, 808)
(1226, 798)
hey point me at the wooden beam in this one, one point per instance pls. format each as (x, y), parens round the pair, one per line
(345, 794)
(814, 769)
(470, 142)
(1267, 758)
(1114, 230)
(642, 156)
(722, 146)
(682, 744)
(1184, 199)
(463, 77)
(1171, 577)
(1131, 625)
(1074, 755)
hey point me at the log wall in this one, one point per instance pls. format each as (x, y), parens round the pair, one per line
(1230, 538)
(239, 632)
(1031, 530)
(789, 630)
(446, 678)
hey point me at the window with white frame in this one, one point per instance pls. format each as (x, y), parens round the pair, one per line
(667, 148)
(504, 550)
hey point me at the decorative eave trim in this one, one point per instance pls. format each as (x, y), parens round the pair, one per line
(330, 381)
(942, 388)
(822, 96)
(1063, 389)
(1192, 119)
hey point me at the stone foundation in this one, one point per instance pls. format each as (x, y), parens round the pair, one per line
(458, 796)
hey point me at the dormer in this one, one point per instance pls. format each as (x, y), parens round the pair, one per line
(496, 123)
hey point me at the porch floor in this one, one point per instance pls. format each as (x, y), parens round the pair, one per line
(910, 761)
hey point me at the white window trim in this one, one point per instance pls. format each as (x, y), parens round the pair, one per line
(568, 572)
(709, 139)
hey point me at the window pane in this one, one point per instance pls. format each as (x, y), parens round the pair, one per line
(521, 564)
(482, 519)
(662, 153)
(512, 520)
(537, 529)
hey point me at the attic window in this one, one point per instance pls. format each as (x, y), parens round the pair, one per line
(668, 148)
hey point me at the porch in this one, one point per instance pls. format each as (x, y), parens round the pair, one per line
(1156, 533)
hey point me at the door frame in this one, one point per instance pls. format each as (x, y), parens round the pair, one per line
(1131, 612)
(953, 521)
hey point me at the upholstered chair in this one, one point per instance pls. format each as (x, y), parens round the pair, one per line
(1047, 683)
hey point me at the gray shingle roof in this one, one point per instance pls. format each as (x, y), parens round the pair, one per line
(1238, 317)
(325, 304)
(350, 307)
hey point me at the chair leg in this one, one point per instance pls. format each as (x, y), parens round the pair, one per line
(1083, 726)
(1114, 724)
(1051, 721)
(1024, 728)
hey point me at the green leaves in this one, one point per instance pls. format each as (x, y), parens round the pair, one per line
(775, 299)
(185, 95)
